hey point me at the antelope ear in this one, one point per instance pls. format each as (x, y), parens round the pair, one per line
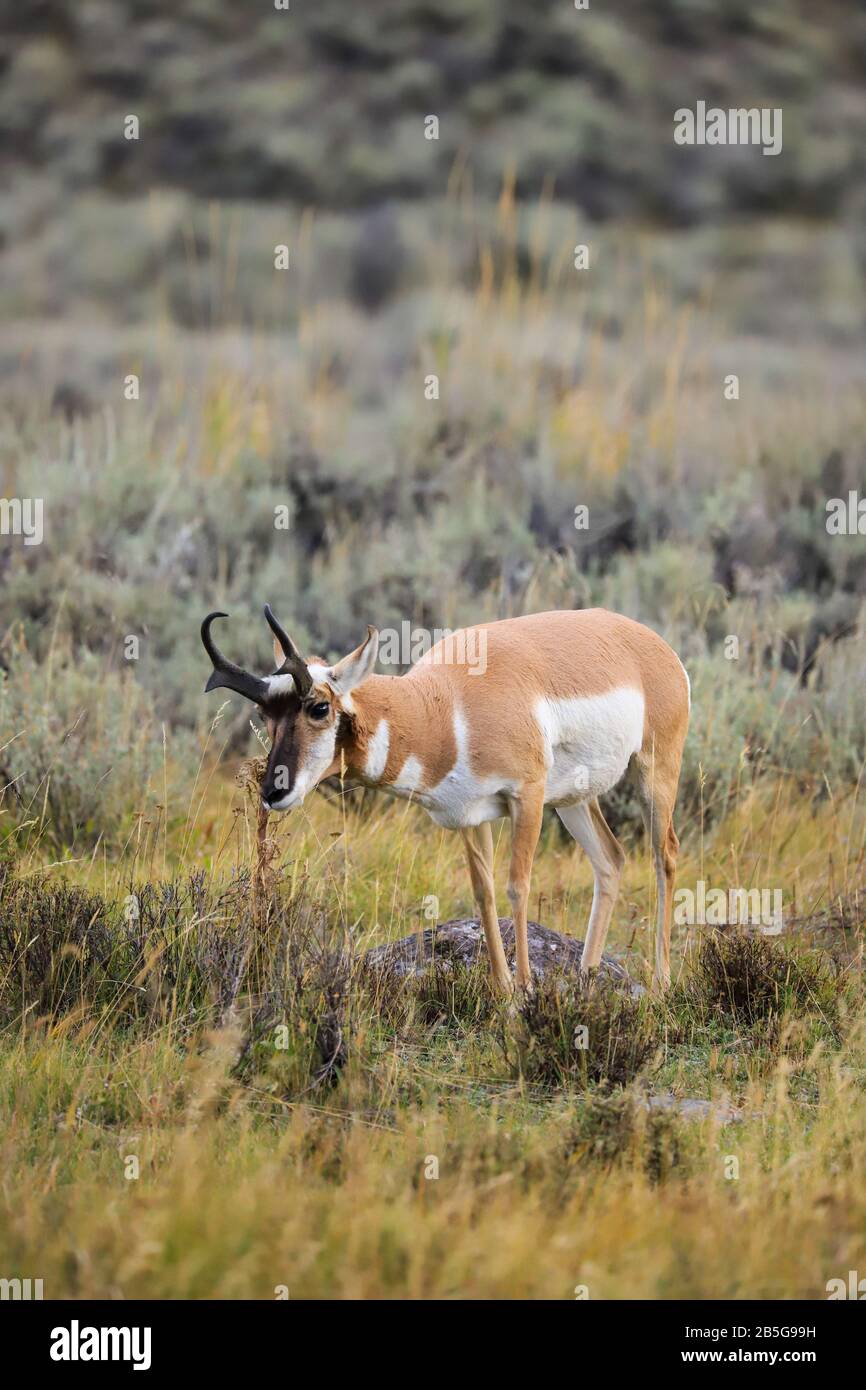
(357, 666)
(279, 654)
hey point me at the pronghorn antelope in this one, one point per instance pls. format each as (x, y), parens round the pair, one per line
(565, 705)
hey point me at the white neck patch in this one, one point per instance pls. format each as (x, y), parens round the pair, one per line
(377, 752)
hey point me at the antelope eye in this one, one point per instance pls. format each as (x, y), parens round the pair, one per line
(319, 711)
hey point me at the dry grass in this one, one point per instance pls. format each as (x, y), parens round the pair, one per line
(259, 1167)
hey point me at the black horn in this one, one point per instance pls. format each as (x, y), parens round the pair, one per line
(293, 663)
(226, 675)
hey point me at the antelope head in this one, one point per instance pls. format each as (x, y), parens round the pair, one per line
(306, 708)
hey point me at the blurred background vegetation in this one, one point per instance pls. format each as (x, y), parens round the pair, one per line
(320, 105)
(305, 388)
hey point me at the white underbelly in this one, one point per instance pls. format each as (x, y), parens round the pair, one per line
(458, 801)
(453, 807)
(589, 742)
(474, 810)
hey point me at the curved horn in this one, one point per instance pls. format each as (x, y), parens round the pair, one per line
(293, 663)
(226, 674)
(285, 641)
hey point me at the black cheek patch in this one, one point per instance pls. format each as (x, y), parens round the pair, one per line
(284, 754)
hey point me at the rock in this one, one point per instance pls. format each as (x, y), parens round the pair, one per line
(691, 1108)
(461, 942)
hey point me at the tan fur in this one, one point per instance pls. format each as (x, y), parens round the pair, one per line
(560, 656)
